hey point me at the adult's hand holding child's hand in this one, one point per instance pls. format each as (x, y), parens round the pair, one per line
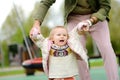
(84, 25)
(35, 30)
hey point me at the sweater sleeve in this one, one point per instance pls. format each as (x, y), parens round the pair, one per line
(76, 46)
(39, 41)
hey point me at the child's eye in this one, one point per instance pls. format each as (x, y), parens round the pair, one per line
(58, 34)
(64, 35)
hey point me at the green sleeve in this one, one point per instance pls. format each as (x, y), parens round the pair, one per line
(42, 9)
(104, 9)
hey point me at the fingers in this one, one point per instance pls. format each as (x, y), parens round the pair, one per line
(85, 28)
(35, 30)
(80, 26)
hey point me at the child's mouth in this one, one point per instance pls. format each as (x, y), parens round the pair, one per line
(61, 41)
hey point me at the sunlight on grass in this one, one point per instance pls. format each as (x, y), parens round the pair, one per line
(14, 72)
(96, 62)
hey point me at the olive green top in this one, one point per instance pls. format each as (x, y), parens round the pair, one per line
(99, 8)
(82, 7)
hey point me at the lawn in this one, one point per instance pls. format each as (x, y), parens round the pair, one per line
(11, 72)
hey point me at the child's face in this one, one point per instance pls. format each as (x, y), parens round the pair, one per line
(60, 37)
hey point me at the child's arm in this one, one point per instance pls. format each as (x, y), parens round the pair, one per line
(86, 24)
(36, 36)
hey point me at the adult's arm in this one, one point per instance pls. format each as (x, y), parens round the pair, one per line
(42, 9)
(103, 11)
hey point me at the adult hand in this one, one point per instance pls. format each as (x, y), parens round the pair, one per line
(35, 30)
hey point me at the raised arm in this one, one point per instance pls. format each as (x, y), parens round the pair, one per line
(35, 30)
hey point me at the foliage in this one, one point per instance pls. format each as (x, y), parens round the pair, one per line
(13, 72)
(12, 25)
(115, 25)
(5, 55)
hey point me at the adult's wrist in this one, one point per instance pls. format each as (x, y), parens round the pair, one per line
(93, 20)
(37, 22)
(89, 22)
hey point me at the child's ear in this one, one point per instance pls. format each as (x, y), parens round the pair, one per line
(51, 38)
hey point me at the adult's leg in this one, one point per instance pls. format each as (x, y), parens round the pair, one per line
(100, 34)
(83, 69)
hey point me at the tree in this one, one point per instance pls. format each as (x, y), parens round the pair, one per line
(11, 32)
(115, 25)
(12, 24)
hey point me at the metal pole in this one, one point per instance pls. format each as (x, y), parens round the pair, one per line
(23, 32)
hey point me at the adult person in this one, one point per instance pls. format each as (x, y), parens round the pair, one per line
(93, 16)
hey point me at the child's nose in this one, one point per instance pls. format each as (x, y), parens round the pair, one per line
(62, 36)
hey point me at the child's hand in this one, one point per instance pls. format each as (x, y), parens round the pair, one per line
(84, 25)
(34, 31)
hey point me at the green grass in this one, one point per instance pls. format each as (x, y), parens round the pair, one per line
(96, 62)
(13, 72)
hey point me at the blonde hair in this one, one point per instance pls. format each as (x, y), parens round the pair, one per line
(53, 30)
